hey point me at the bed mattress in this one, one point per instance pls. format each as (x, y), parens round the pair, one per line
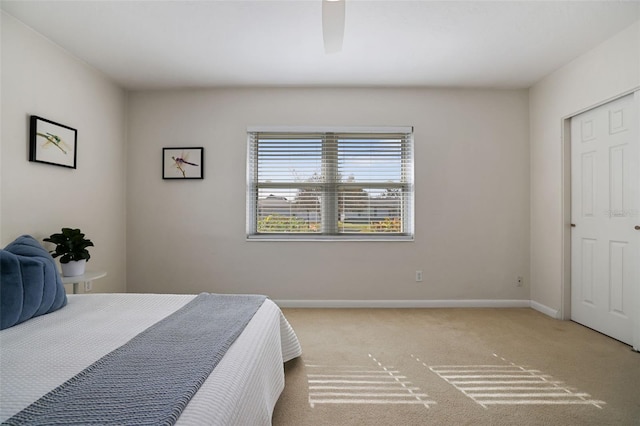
(44, 352)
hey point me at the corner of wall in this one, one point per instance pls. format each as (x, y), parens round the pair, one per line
(553, 313)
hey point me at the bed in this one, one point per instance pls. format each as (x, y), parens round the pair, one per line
(45, 351)
(133, 358)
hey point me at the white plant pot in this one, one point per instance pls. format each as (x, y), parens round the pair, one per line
(73, 268)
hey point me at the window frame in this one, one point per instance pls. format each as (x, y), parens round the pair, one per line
(329, 208)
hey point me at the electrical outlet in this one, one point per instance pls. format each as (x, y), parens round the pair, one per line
(520, 282)
(87, 286)
(418, 276)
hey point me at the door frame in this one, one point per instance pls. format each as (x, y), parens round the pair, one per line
(565, 278)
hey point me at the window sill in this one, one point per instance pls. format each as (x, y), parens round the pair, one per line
(330, 238)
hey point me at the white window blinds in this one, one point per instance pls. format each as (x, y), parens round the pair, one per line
(330, 184)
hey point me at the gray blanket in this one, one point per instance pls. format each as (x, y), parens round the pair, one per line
(150, 379)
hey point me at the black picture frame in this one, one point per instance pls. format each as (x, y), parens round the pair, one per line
(52, 143)
(183, 163)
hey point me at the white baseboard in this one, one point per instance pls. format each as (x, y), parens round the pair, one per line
(499, 303)
(553, 313)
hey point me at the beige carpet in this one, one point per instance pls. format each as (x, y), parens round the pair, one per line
(455, 367)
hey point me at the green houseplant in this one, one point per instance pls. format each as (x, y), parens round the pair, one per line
(71, 246)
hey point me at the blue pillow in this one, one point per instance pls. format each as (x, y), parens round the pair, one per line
(30, 283)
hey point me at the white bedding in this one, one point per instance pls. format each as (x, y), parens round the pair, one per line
(42, 353)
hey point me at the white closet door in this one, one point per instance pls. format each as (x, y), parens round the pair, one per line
(605, 210)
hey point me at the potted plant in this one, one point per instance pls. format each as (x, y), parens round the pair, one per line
(72, 246)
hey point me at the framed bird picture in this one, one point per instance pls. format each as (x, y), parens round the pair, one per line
(183, 163)
(52, 143)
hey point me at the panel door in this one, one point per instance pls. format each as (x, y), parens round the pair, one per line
(605, 209)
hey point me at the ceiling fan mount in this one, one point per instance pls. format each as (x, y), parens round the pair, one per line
(333, 25)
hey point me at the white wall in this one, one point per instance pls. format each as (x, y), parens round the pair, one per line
(41, 79)
(604, 72)
(475, 198)
(472, 196)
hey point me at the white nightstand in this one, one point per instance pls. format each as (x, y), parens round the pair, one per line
(86, 278)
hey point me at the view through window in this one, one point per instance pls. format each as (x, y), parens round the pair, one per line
(335, 185)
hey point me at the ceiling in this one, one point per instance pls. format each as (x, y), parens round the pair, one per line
(147, 44)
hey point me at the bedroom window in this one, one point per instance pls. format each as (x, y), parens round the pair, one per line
(333, 184)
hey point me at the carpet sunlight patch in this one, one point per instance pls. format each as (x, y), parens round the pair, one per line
(509, 384)
(373, 383)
